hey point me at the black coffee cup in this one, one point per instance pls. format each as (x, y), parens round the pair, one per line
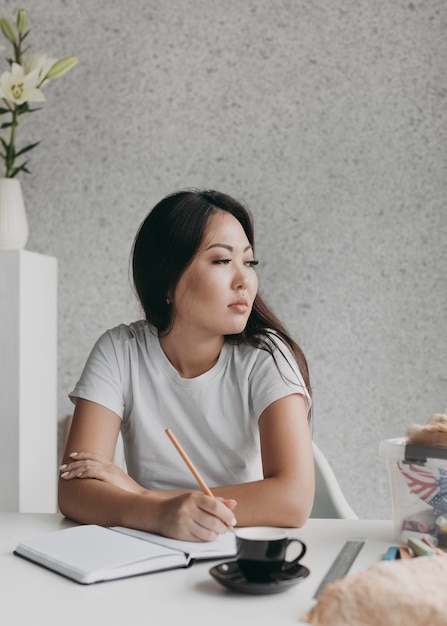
(262, 552)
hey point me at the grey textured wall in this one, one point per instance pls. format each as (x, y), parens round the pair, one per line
(328, 118)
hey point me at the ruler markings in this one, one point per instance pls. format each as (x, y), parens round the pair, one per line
(342, 563)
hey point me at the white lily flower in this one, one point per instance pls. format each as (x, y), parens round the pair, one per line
(18, 87)
(21, 85)
(41, 64)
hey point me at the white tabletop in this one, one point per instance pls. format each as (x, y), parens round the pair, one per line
(31, 594)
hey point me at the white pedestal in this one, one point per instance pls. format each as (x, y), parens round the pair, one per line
(28, 382)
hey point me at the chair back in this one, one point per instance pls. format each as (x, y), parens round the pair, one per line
(330, 501)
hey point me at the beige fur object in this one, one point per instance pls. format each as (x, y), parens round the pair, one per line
(432, 433)
(407, 592)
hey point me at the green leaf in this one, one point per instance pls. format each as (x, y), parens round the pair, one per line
(5, 145)
(22, 108)
(6, 125)
(2, 111)
(32, 110)
(27, 148)
(20, 168)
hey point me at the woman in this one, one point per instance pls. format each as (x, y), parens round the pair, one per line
(212, 363)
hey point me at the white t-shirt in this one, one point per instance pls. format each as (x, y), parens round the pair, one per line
(214, 416)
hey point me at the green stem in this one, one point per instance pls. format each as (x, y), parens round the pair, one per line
(10, 154)
(18, 49)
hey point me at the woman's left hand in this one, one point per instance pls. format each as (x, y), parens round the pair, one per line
(90, 465)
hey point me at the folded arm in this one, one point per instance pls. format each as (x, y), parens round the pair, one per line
(94, 490)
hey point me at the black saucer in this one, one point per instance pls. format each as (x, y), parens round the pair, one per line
(229, 575)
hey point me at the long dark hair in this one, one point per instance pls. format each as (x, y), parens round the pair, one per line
(165, 245)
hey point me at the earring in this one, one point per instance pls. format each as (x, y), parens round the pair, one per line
(168, 300)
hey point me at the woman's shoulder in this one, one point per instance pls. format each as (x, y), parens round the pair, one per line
(124, 334)
(133, 329)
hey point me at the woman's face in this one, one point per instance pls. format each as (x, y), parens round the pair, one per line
(215, 294)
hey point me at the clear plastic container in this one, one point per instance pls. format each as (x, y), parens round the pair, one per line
(418, 482)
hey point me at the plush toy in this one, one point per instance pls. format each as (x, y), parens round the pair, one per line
(432, 433)
(407, 591)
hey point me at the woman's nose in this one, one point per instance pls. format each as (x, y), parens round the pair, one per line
(241, 279)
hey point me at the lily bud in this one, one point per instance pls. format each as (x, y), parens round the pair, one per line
(61, 67)
(8, 30)
(22, 21)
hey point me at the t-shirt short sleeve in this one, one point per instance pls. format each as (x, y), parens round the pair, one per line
(101, 380)
(275, 376)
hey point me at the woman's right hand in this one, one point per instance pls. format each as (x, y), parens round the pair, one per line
(91, 465)
(194, 516)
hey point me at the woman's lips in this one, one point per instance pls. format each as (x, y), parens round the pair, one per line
(240, 305)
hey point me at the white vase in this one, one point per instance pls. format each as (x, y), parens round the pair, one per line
(13, 220)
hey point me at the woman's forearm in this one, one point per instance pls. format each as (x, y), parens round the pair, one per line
(92, 501)
(270, 502)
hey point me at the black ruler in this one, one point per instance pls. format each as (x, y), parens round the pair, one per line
(342, 563)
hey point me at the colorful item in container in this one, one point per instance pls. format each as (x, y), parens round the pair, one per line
(428, 485)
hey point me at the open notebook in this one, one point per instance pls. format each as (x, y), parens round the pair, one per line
(90, 553)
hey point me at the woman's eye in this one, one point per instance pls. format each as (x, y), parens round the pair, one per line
(251, 263)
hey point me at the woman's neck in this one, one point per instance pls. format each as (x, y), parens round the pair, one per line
(191, 356)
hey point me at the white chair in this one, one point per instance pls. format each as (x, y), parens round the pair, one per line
(330, 501)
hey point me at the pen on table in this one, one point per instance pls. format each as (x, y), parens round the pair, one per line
(206, 490)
